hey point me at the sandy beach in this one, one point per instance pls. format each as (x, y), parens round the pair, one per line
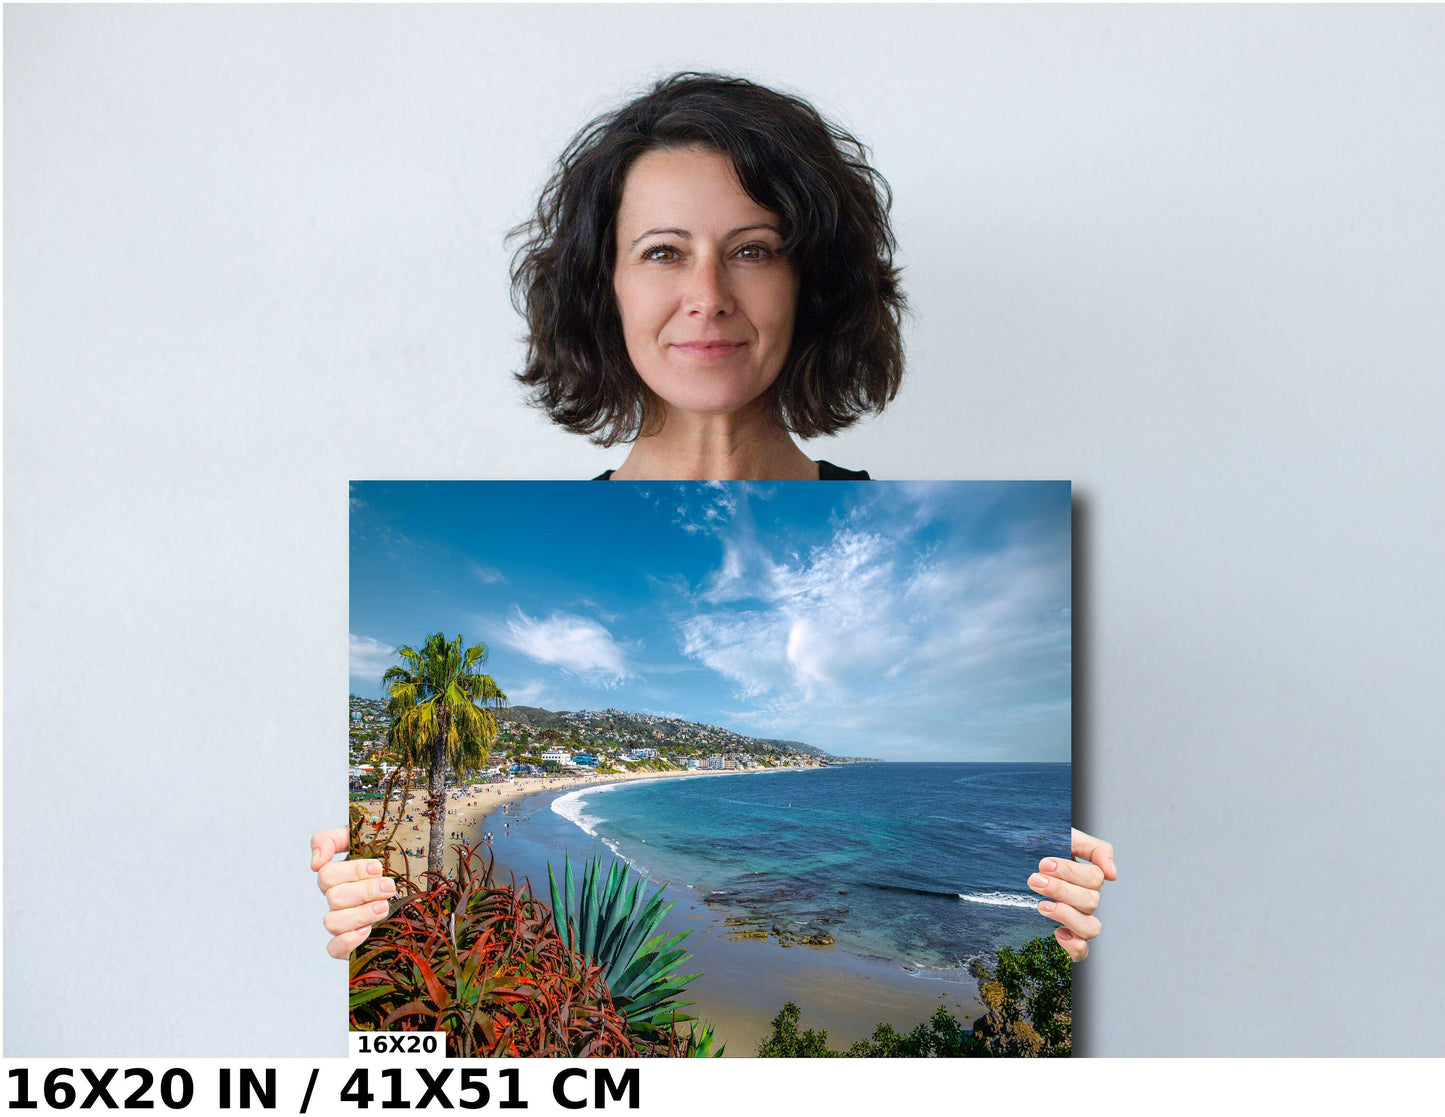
(745, 982)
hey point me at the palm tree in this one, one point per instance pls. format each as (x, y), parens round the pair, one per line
(441, 717)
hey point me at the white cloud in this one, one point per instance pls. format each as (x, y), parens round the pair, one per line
(748, 648)
(875, 636)
(577, 644)
(489, 575)
(598, 611)
(824, 619)
(531, 693)
(710, 506)
(370, 657)
(808, 655)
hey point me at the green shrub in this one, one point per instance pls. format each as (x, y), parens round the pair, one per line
(941, 1037)
(1037, 983)
(786, 1042)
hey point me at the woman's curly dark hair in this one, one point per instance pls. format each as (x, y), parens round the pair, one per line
(846, 357)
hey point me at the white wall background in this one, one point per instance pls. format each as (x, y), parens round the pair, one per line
(1191, 258)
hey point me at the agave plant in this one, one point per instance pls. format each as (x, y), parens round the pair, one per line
(610, 925)
(699, 1040)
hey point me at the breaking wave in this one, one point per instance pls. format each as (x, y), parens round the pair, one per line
(1000, 899)
(573, 807)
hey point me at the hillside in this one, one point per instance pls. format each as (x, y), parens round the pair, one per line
(597, 728)
(649, 730)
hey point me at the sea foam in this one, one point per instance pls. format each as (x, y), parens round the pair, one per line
(1000, 899)
(573, 807)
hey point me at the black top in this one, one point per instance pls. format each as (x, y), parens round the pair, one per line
(827, 471)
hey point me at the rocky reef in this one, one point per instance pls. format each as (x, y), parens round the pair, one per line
(787, 932)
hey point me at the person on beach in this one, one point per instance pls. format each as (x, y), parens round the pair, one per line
(708, 275)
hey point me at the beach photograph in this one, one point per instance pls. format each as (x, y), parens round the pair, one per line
(712, 768)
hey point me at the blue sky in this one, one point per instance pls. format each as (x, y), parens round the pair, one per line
(902, 620)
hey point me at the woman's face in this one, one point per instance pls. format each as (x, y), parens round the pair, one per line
(706, 300)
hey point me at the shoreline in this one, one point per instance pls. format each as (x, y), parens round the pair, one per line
(743, 982)
(468, 807)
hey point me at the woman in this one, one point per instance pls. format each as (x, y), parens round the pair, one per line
(708, 275)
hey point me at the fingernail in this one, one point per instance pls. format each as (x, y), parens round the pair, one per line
(1050, 866)
(1046, 906)
(1111, 866)
(386, 886)
(1038, 881)
(379, 907)
(1064, 933)
(374, 868)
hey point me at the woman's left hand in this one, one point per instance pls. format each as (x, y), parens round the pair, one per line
(1073, 891)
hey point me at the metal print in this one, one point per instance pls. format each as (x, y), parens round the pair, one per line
(701, 768)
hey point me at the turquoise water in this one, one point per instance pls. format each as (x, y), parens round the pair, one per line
(923, 864)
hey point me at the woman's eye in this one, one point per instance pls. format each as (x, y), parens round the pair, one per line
(661, 252)
(755, 252)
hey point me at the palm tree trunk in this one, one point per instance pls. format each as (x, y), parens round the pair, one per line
(436, 802)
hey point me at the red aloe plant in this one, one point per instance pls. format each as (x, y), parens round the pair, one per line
(484, 964)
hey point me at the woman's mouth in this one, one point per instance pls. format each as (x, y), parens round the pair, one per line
(707, 348)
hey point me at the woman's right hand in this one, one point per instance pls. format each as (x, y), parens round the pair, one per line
(356, 892)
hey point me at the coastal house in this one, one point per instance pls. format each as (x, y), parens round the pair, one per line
(559, 756)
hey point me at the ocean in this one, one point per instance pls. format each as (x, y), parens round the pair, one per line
(923, 865)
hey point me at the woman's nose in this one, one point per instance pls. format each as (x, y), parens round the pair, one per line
(707, 289)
